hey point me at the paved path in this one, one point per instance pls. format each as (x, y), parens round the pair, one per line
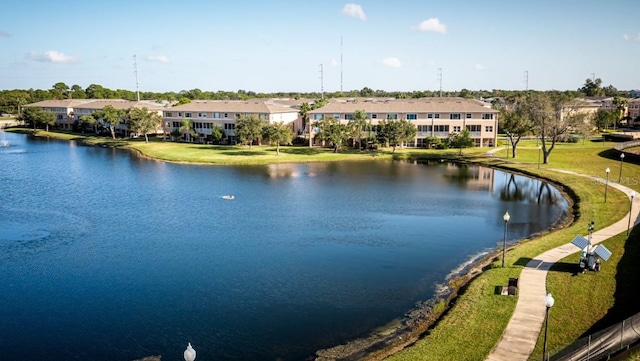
(520, 337)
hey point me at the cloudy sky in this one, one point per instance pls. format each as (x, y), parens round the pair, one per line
(282, 45)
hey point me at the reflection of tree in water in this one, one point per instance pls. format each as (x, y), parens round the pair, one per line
(462, 174)
(528, 189)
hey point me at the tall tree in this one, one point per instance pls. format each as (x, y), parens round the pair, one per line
(30, 115)
(304, 109)
(513, 124)
(141, 121)
(553, 115)
(110, 118)
(357, 124)
(249, 128)
(47, 118)
(277, 134)
(186, 128)
(591, 87)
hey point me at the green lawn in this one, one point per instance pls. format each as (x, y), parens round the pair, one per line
(475, 322)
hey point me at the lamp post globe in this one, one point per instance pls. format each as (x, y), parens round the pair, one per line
(506, 219)
(189, 353)
(548, 302)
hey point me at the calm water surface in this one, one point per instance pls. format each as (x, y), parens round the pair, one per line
(108, 256)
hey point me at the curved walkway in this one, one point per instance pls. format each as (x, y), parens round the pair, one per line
(519, 338)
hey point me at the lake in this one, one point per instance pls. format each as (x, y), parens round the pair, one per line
(106, 255)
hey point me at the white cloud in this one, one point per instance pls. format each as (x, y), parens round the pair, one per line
(4, 33)
(354, 10)
(625, 36)
(392, 62)
(432, 24)
(158, 58)
(334, 62)
(480, 67)
(52, 56)
(629, 37)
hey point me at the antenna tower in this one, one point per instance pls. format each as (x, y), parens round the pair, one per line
(440, 79)
(135, 71)
(321, 82)
(526, 80)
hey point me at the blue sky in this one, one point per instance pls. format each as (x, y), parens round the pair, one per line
(278, 45)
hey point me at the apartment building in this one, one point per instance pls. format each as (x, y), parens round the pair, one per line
(67, 111)
(223, 113)
(433, 117)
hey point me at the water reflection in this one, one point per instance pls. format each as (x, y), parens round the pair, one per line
(111, 256)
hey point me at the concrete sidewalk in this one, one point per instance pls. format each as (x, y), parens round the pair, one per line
(519, 338)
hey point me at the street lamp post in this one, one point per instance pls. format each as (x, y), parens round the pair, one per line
(621, 160)
(606, 186)
(506, 218)
(548, 302)
(591, 227)
(632, 195)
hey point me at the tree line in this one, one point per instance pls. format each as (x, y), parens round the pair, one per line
(11, 101)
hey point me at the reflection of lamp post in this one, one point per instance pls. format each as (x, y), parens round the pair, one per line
(606, 184)
(548, 302)
(632, 195)
(506, 218)
(539, 149)
(621, 160)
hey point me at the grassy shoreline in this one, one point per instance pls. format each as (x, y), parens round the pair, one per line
(470, 328)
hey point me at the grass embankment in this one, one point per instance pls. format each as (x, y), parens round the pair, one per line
(470, 330)
(472, 327)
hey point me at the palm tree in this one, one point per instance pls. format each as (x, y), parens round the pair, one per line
(357, 124)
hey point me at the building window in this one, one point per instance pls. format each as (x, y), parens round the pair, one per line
(488, 129)
(226, 115)
(392, 116)
(348, 116)
(430, 116)
(202, 115)
(187, 115)
(179, 114)
(468, 115)
(412, 116)
(487, 115)
(474, 128)
(454, 116)
(317, 116)
(262, 116)
(441, 128)
(216, 115)
(456, 128)
(373, 116)
(169, 115)
(424, 128)
(229, 126)
(436, 115)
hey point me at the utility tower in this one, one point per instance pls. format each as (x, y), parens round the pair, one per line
(321, 82)
(135, 71)
(440, 80)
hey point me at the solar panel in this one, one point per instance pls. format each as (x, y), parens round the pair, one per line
(580, 242)
(603, 252)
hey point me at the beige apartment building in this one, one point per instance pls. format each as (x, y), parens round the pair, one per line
(433, 117)
(207, 114)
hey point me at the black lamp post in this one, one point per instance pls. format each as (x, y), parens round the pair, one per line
(548, 302)
(506, 218)
(632, 195)
(621, 160)
(606, 185)
(591, 227)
